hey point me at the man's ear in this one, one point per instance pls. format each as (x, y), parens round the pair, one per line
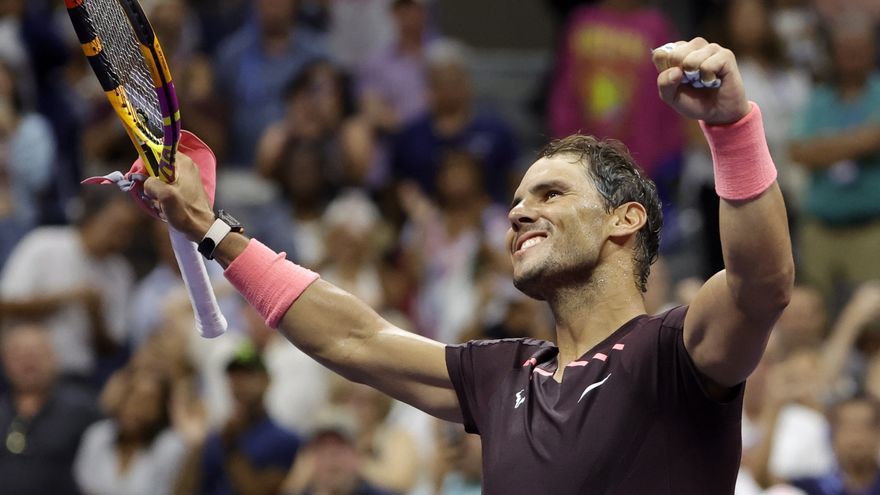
(626, 220)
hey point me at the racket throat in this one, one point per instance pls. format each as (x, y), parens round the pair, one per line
(150, 160)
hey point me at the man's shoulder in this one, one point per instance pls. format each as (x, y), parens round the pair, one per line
(503, 353)
(507, 343)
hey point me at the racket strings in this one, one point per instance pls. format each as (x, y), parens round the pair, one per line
(128, 62)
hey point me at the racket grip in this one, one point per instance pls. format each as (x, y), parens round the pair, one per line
(210, 322)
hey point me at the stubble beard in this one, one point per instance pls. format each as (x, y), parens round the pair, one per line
(550, 275)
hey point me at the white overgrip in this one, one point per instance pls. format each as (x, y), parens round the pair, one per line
(210, 322)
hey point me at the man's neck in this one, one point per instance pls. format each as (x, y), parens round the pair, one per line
(28, 404)
(411, 44)
(586, 315)
(451, 122)
(275, 43)
(859, 478)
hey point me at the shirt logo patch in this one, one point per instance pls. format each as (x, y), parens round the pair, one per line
(593, 386)
(520, 398)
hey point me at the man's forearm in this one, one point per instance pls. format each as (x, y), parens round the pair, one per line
(821, 152)
(757, 252)
(753, 222)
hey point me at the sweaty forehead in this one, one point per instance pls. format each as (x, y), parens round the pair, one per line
(566, 168)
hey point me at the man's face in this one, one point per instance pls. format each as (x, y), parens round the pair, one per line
(248, 387)
(853, 54)
(856, 435)
(557, 226)
(336, 464)
(28, 359)
(113, 227)
(449, 88)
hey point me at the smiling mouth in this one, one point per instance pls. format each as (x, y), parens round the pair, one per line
(529, 243)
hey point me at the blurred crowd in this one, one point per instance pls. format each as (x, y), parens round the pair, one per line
(349, 134)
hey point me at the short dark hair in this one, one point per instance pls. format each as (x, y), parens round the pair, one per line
(833, 411)
(619, 180)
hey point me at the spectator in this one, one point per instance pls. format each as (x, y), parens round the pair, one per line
(779, 89)
(295, 226)
(789, 433)
(352, 225)
(449, 242)
(855, 430)
(319, 109)
(452, 123)
(253, 68)
(393, 82)
(176, 26)
(390, 459)
(604, 85)
(250, 453)
(298, 385)
(43, 421)
(458, 468)
(133, 452)
(331, 462)
(358, 28)
(77, 276)
(27, 153)
(837, 140)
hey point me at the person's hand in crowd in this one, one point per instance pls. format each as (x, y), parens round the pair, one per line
(724, 105)
(301, 473)
(114, 391)
(863, 307)
(188, 414)
(417, 206)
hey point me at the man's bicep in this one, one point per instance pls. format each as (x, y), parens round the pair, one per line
(724, 343)
(410, 368)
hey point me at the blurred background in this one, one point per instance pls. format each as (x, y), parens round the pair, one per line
(378, 142)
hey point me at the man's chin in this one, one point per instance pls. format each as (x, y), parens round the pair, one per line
(530, 285)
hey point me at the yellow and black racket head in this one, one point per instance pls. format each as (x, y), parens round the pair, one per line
(125, 55)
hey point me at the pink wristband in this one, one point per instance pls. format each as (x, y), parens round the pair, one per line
(268, 281)
(743, 165)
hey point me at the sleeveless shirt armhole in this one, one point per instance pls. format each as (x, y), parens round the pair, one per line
(675, 321)
(457, 377)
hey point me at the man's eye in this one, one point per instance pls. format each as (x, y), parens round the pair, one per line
(552, 194)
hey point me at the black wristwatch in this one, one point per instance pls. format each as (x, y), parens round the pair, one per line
(222, 226)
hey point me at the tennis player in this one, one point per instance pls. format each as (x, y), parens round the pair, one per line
(624, 402)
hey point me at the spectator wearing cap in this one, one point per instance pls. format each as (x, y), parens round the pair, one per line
(41, 423)
(250, 453)
(331, 463)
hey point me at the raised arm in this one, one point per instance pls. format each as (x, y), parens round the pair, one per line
(728, 324)
(329, 324)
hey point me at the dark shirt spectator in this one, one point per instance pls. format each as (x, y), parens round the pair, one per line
(453, 124)
(43, 423)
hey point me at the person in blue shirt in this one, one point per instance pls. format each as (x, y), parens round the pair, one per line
(855, 427)
(250, 453)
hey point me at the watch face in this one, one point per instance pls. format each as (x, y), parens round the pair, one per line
(229, 220)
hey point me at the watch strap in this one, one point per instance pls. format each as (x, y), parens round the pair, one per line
(218, 231)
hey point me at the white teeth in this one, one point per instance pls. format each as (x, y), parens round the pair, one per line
(531, 242)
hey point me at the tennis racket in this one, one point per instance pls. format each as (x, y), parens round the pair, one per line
(124, 53)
